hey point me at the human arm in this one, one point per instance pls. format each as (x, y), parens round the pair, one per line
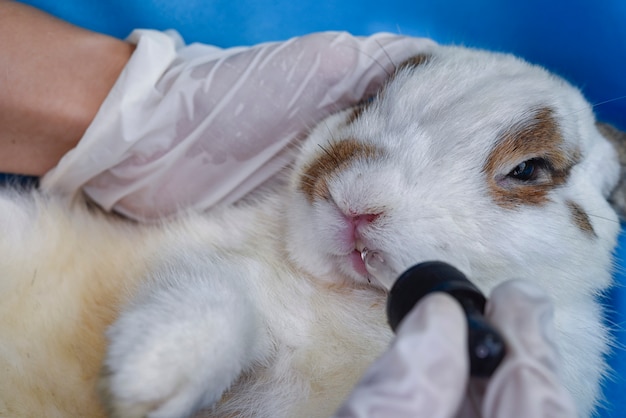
(151, 126)
(53, 78)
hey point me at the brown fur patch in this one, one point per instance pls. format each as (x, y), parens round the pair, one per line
(356, 112)
(336, 156)
(580, 218)
(539, 138)
(414, 61)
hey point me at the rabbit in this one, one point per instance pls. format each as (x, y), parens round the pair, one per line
(264, 308)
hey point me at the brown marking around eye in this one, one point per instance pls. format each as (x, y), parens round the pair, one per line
(333, 158)
(580, 218)
(537, 138)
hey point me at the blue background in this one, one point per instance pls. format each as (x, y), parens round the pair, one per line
(583, 41)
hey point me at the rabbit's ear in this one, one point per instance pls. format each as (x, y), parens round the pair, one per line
(414, 61)
(618, 139)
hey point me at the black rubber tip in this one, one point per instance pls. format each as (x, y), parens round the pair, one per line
(486, 346)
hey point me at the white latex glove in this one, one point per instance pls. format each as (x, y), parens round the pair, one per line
(425, 371)
(192, 126)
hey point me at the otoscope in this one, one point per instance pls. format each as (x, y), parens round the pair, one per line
(486, 346)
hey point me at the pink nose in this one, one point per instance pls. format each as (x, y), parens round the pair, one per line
(366, 218)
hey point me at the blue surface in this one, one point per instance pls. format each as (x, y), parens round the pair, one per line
(615, 390)
(581, 40)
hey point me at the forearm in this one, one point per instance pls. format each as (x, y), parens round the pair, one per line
(53, 78)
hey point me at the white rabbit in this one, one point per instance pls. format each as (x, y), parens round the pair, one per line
(264, 308)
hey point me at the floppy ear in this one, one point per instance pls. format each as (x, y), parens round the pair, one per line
(414, 61)
(618, 139)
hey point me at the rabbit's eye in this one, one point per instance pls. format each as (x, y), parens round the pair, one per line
(526, 171)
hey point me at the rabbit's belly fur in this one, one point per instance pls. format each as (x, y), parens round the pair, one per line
(65, 276)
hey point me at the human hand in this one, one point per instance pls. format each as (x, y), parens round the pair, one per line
(425, 372)
(191, 126)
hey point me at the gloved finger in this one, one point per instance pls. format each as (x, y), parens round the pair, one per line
(191, 126)
(526, 384)
(424, 373)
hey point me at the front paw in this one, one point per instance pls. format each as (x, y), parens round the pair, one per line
(171, 369)
(182, 342)
(145, 399)
(168, 363)
(159, 383)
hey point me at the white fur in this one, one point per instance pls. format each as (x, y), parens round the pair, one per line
(260, 301)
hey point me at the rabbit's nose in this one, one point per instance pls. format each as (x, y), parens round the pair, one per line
(360, 224)
(364, 219)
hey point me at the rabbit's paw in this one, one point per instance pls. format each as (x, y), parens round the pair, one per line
(166, 374)
(147, 399)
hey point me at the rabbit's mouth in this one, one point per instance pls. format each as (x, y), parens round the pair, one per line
(376, 268)
(358, 264)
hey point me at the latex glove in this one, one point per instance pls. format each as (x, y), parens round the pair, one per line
(191, 126)
(425, 371)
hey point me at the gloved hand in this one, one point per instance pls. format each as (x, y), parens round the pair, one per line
(191, 126)
(425, 371)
